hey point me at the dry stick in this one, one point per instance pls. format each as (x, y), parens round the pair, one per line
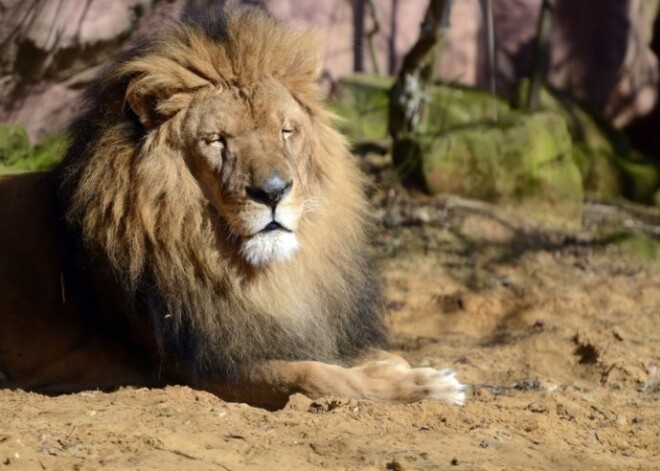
(487, 12)
(370, 36)
(540, 54)
(391, 59)
(178, 452)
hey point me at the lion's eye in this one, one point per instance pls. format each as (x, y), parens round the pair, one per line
(287, 132)
(216, 140)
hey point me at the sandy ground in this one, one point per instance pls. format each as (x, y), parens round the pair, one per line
(559, 337)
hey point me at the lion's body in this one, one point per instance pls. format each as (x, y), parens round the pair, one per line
(45, 343)
(207, 226)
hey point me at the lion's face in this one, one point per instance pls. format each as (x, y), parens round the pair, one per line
(246, 148)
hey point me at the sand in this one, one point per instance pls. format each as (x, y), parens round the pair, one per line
(558, 336)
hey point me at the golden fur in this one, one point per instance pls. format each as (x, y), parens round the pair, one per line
(158, 211)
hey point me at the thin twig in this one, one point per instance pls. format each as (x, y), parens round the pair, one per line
(178, 453)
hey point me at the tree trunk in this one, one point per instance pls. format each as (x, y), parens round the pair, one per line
(409, 95)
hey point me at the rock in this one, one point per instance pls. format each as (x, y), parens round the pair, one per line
(620, 81)
(399, 463)
(362, 100)
(537, 407)
(608, 166)
(14, 144)
(17, 155)
(454, 106)
(640, 245)
(51, 48)
(47, 43)
(640, 178)
(48, 152)
(651, 387)
(524, 163)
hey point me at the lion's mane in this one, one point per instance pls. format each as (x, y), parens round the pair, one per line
(133, 209)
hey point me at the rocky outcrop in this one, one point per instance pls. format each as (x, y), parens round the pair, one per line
(599, 52)
(51, 49)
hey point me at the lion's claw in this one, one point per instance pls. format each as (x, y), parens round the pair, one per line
(447, 387)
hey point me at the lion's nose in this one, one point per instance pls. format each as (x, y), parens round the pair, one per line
(271, 191)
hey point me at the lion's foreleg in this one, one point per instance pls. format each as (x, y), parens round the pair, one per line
(390, 379)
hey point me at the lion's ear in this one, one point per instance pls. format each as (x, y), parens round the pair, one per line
(142, 104)
(154, 108)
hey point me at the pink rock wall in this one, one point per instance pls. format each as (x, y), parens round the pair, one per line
(599, 48)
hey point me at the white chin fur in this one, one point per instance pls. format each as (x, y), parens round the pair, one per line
(266, 248)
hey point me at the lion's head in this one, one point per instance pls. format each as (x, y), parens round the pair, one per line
(206, 174)
(248, 149)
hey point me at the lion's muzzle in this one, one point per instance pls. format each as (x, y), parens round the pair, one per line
(272, 223)
(270, 191)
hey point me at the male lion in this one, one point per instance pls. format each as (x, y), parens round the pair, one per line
(206, 227)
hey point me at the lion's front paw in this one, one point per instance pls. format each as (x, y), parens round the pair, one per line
(443, 385)
(391, 380)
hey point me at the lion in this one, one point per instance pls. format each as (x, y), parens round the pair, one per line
(206, 227)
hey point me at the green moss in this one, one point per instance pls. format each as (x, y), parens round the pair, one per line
(14, 144)
(608, 165)
(454, 106)
(599, 171)
(48, 152)
(525, 162)
(17, 155)
(641, 246)
(640, 178)
(363, 102)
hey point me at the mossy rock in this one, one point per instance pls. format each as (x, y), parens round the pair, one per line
(17, 155)
(641, 246)
(524, 162)
(640, 177)
(14, 144)
(600, 174)
(363, 103)
(48, 152)
(609, 166)
(455, 106)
